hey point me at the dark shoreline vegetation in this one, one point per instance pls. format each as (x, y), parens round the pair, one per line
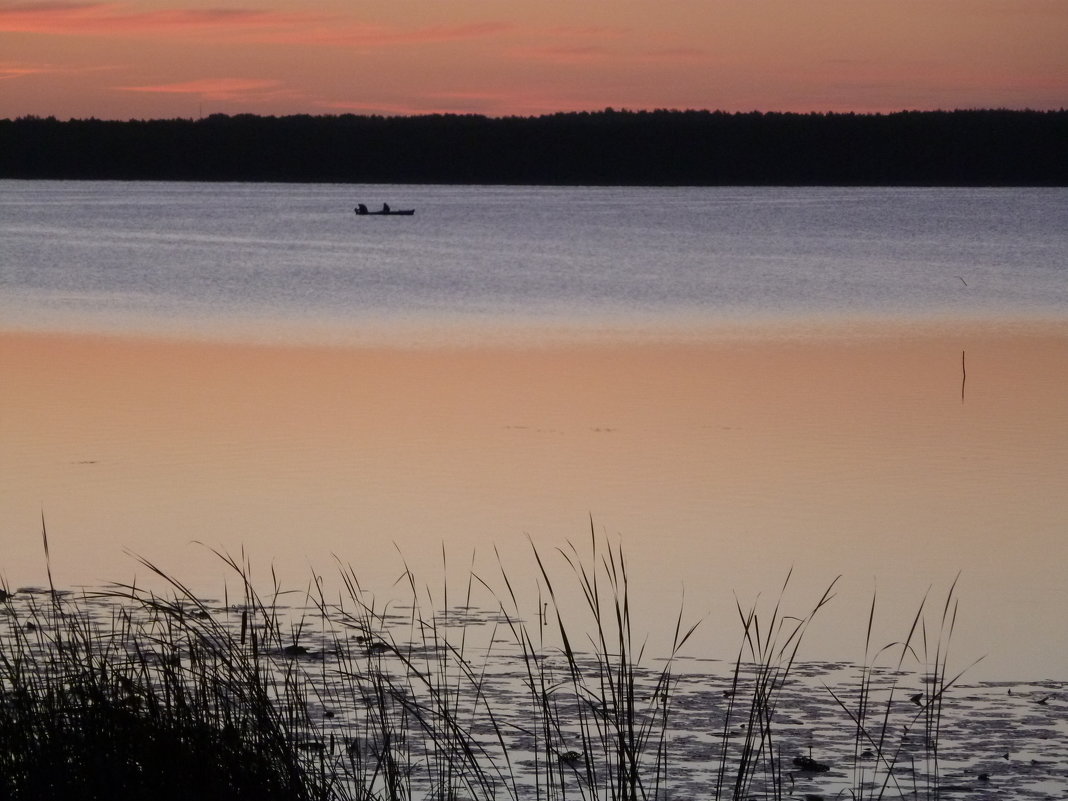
(642, 148)
(330, 694)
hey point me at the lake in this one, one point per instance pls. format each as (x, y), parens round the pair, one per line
(734, 383)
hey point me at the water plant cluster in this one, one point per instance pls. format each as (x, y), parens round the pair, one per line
(331, 694)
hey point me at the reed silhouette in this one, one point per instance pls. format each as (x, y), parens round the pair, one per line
(324, 693)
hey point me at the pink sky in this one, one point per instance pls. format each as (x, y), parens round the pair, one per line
(183, 58)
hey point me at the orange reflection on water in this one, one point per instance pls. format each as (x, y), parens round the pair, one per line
(721, 465)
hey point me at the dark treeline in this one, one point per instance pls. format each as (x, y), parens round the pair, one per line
(963, 148)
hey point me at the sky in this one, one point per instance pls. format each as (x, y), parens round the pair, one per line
(149, 59)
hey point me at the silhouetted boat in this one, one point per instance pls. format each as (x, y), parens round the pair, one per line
(380, 212)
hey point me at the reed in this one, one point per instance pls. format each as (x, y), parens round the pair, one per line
(111, 711)
(333, 693)
(882, 760)
(761, 669)
(601, 724)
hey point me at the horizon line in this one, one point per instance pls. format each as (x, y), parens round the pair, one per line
(608, 110)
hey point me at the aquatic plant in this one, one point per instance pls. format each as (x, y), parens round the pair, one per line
(130, 709)
(883, 733)
(754, 694)
(335, 694)
(603, 724)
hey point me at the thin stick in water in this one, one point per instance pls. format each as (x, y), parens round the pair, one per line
(963, 376)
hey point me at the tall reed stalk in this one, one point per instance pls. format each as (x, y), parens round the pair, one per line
(601, 726)
(761, 669)
(336, 694)
(883, 732)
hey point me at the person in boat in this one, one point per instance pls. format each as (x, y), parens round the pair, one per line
(385, 208)
(361, 209)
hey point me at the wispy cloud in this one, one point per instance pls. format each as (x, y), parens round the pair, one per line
(41, 8)
(71, 19)
(229, 24)
(589, 31)
(563, 54)
(564, 45)
(349, 34)
(677, 55)
(210, 88)
(8, 71)
(13, 69)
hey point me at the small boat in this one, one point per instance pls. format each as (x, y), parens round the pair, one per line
(363, 212)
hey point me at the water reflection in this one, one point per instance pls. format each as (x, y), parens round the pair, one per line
(720, 466)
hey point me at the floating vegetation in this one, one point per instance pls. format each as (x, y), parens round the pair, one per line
(332, 694)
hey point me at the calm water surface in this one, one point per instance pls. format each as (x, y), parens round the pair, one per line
(735, 382)
(266, 260)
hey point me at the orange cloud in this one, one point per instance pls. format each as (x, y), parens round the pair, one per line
(563, 54)
(231, 24)
(9, 70)
(597, 31)
(71, 19)
(209, 88)
(375, 36)
(564, 45)
(678, 54)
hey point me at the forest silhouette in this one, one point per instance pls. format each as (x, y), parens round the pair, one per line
(646, 148)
